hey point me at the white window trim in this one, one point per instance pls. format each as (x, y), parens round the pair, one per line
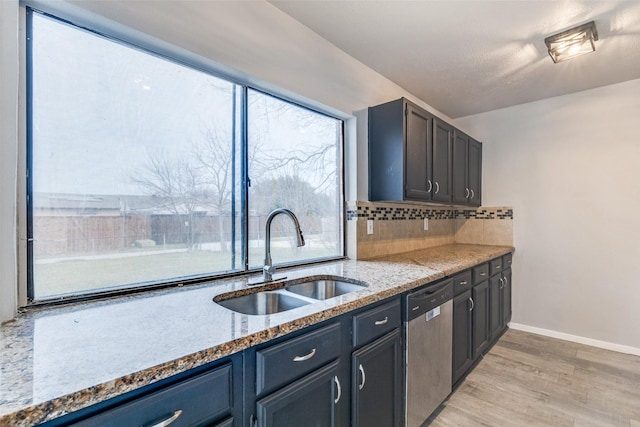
(9, 158)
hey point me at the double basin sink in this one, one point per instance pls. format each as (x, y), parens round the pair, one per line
(290, 295)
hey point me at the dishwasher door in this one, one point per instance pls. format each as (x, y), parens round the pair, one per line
(428, 362)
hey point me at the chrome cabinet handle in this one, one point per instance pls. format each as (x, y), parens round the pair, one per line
(505, 281)
(305, 357)
(466, 195)
(382, 322)
(464, 282)
(430, 186)
(437, 187)
(472, 304)
(483, 273)
(364, 378)
(501, 282)
(169, 420)
(337, 381)
(472, 194)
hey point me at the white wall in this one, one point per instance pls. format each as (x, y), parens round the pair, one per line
(570, 167)
(251, 41)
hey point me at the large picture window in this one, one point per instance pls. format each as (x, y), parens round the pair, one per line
(145, 171)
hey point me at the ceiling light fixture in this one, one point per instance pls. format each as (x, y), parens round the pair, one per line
(573, 42)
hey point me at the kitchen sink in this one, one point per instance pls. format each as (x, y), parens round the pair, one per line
(275, 297)
(324, 288)
(266, 302)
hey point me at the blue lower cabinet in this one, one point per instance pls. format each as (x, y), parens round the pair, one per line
(377, 383)
(311, 401)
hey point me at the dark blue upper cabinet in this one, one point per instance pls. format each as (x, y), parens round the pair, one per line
(415, 156)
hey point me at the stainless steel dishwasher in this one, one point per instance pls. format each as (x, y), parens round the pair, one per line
(429, 329)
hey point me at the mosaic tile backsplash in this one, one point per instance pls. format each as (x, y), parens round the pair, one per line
(399, 227)
(394, 213)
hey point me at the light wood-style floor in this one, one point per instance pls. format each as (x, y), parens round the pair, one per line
(531, 380)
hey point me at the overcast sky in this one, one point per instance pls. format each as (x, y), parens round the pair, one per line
(100, 108)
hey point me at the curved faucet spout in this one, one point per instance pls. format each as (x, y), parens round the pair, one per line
(269, 269)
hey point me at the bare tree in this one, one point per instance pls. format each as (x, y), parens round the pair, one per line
(292, 192)
(176, 186)
(215, 159)
(301, 175)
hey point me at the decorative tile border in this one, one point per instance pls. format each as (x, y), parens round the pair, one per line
(485, 213)
(388, 213)
(412, 212)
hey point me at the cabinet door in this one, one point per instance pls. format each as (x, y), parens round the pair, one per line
(442, 138)
(480, 314)
(418, 184)
(460, 192)
(506, 297)
(376, 383)
(310, 401)
(495, 306)
(474, 172)
(462, 354)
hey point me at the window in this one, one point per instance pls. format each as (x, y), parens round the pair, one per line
(145, 171)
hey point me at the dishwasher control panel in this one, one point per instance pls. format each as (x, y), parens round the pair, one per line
(425, 300)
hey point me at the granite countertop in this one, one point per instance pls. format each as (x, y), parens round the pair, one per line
(62, 359)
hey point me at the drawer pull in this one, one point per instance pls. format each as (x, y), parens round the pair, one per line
(464, 282)
(339, 389)
(305, 357)
(364, 378)
(169, 420)
(483, 273)
(382, 322)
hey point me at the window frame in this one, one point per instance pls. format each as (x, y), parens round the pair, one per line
(181, 59)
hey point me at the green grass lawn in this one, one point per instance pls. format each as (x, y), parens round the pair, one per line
(81, 275)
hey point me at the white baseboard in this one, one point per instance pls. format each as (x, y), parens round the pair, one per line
(574, 338)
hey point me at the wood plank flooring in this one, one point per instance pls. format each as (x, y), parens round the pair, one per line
(532, 380)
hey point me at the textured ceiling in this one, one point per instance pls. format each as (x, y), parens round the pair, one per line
(468, 57)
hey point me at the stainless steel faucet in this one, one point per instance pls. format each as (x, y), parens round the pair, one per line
(269, 269)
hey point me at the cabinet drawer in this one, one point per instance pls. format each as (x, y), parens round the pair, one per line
(461, 282)
(480, 273)
(375, 322)
(506, 261)
(197, 401)
(495, 266)
(282, 363)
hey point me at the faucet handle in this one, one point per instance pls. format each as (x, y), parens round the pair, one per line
(267, 272)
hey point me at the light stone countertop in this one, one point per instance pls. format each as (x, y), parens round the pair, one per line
(58, 360)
